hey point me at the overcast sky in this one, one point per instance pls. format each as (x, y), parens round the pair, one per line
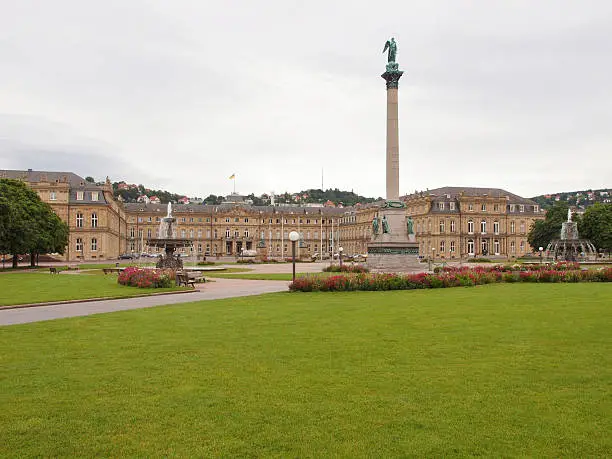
(179, 94)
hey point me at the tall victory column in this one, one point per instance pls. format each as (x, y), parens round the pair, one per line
(392, 76)
(393, 246)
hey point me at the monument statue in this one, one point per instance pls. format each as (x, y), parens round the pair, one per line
(169, 210)
(392, 47)
(385, 225)
(375, 225)
(410, 225)
(569, 215)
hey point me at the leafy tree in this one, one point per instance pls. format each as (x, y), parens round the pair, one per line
(596, 225)
(89, 179)
(544, 231)
(28, 225)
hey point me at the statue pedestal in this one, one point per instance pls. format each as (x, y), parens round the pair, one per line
(395, 251)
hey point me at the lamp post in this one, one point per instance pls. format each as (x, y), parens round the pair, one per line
(541, 249)
(340, 250)
(294, 236)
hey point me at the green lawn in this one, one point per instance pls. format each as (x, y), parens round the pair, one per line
(498, 371)
(262, 276)
(22, 288)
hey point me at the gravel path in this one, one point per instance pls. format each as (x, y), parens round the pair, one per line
(220, 288)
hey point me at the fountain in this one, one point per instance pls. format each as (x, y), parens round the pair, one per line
(168, 241)
(570, 247)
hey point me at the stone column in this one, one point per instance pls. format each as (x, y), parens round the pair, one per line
(392, 76)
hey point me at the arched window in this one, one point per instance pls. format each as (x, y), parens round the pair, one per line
(483, 226)
(470, 246)
(496, 246)
(496, 227)
(470, 226)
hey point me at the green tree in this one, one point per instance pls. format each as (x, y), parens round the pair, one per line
(89, 179)
(544, 231)
(28, 225)
(596, 225)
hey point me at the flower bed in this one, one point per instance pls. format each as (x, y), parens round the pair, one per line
(449, 277)
(145, 277)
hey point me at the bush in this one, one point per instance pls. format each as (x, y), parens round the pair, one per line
(144, 278)
(206, 263)
(479, 260)
(345, 269)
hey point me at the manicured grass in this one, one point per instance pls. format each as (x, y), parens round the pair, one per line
(22, 288)
(498, 371)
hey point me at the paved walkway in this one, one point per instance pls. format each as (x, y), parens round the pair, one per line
(220, 288)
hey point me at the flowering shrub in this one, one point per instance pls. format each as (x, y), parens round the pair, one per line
(145, 278)
(345, 269)
(450, 277)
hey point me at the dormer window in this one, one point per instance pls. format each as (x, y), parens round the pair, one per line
(440, 206)
(94, 195)
(521, 208)
(79, 195)
(451, 205)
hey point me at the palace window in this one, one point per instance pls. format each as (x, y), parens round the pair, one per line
(183, 219)
(452, 246)
(521, 208)
(442, 247)
(149, 233)
(207, 219)
(484, 247)
(79, 220)
(451, 205)
(522, 246)
(246, 219)
(452, 226)
(79, 244)
(246, 233)
(190, 220)
(441, 226)
(199, 234)
(470, 246)
(207, 234)
(227, 220)
(512, 247)
(236, 219)
(495, 207)
(522, 227)
(483, 208)
(94, 220)
(496, 246)
(190, 234)
(132, 232)
(496, 227)
(483, 227)
(199, 248)
(278, 234)
(470, 226)
(207, 249)
(79, 195)
(216, 234)
(228, 233)
(536, 209)
(183, 234)
(512, 207)
(470, 207)
(440, 206)
(52, 196)
(236, 233)
(94, 244)
(94, 195)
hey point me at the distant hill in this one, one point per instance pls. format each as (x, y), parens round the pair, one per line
(135, 193)
(583, 199)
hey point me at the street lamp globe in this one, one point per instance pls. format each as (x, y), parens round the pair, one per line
(340, 249)
(294, 236)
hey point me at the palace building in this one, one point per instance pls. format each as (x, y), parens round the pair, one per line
(449, 223)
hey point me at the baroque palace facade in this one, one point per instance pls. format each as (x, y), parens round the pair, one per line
(449, 223)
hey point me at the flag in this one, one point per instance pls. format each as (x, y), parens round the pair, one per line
(232, 176)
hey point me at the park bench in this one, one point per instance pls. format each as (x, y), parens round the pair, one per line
(53, 271)
(183, 278)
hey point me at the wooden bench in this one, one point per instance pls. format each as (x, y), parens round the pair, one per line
(184, 279)
(53, 271)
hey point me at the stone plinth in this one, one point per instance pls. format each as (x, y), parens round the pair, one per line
(395, 251)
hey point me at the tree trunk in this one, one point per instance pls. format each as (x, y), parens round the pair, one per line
(14, 261)
(33, 260)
